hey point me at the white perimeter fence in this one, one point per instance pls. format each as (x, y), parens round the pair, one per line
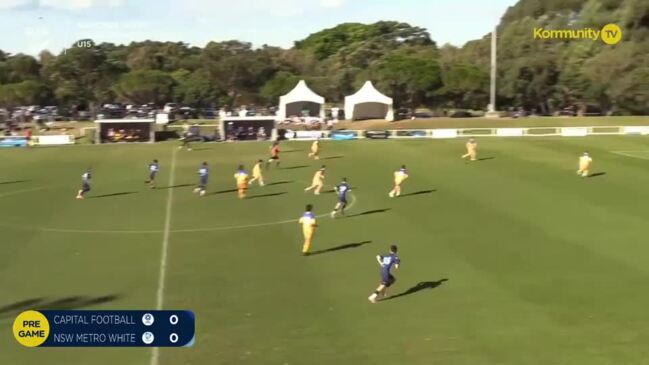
(472, 132)
(444, 133)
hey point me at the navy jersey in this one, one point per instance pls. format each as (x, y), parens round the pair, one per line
(85, 181)
(203, 173)
(342, 189)
(388, 261)
(154, 167)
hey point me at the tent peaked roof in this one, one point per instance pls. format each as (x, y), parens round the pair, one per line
(302, 92)
(369, 94)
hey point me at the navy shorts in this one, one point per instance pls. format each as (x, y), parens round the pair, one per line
(203, 182)
(387, 279)
(152, 176)
(85, 187)
(342, 200)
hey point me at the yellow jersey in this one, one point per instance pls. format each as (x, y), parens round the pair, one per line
(256, 171)
(584, 162)
(318, 178)
(308, 223)
(241, 177)
(315, 146)
(400, 175)
(471, 146)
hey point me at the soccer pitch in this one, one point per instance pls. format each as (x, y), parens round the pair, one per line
(509, 260)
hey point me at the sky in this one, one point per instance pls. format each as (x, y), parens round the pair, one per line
(30, 26)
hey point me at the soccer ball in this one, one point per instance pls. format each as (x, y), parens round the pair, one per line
(196, 190)
(202, 192)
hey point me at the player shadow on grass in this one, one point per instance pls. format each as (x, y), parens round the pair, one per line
(332, 157)
(486, 158)
(369, 212)
(13, 182)
(175, 186)
(294, 167)
(280, 183)
(267, 195)
(420, 192)
(341, 247)
(112, 194)
(223, 192)
(422, 285)
(597, 174)
(65, 303)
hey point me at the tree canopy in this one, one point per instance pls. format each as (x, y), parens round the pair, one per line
(402, 60)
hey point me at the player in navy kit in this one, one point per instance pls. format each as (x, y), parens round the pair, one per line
(341, 190)
(387, 262)
(154, 167)
(203, 174)
(85, 184)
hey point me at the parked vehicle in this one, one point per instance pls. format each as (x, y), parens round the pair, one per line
(208, 113)
(461, 114)
(170, 107)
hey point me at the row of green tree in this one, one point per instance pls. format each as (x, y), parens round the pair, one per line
(402, 60)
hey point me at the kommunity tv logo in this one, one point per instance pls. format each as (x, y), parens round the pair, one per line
(609, 34)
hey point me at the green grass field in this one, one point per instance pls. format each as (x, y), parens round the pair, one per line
(541, 266)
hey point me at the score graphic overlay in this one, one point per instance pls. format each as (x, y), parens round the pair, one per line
(82, 328)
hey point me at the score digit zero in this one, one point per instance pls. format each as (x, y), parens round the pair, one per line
(173, 319)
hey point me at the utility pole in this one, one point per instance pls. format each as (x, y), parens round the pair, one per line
(492, 113)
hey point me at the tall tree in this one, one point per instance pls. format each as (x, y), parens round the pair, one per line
(464, 86)
(236, 68)
(279, 85)
(409, 79)
(145, 86)
(350, 36)
(28, 92)
(82, 76)
(195, 89)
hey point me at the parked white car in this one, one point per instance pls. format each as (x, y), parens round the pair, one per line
(170, 107)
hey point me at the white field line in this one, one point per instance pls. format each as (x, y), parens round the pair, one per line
(187, 230)
(21, 191)
(155, 352)
(210, 229)
(632, 155)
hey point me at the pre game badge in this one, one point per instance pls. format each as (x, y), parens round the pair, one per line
(31, 328)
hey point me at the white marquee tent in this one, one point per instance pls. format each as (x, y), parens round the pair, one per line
(368, 103)
(301, 98)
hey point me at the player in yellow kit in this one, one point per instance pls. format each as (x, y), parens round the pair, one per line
(471, 149)
(309, 225)
(399, 177)
(242, 181)
(318, 181)
(585, 162)
(315, 150)
(257, 175)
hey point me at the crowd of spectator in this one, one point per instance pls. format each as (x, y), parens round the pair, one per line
(121, 135)
(245, 134)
